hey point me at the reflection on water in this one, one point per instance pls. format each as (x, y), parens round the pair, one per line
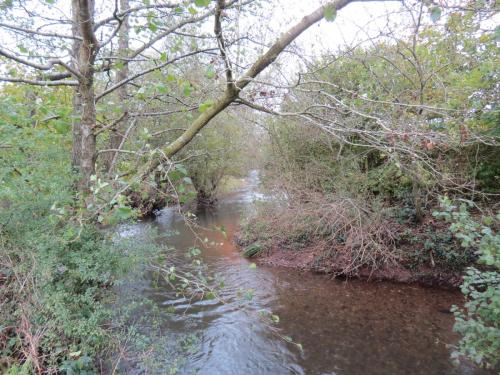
(344, 327)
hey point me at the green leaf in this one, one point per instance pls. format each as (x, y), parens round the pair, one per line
(206, 105)
(141, 94)
(435, 14)
(163, 56)
(252, 266)
(119, 64)
(210, 295)
(152, 26)
(210, 72)
(194, 252)
(124, 212)
(162, 89)
(181, 169)
(187, 89)
(223, 230)
(61, 127)
(174, 176)
(488, 220)
(202, 3)
(330, 13)
(249, 294)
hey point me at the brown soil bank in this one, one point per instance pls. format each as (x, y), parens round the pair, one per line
(345, 238)
(425, 254)
(312, 259)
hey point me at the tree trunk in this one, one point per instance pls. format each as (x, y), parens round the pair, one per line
(77, 104)
(116, 135)
(88, 139)
(76, 130)
(86, 147)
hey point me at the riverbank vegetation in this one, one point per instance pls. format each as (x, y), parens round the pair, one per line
(56, 269)
(104, 110)
(363, 148)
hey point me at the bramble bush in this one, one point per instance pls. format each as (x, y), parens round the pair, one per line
(478, 321)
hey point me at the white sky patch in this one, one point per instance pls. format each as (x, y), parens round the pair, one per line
(353, 23)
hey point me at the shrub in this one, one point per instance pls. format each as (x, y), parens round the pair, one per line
(56, 269)
(478, 321)
(351, 233)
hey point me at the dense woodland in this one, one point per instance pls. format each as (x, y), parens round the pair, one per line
(379, 155)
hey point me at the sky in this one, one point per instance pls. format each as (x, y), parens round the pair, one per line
(351, 22)
(356, 22)
(346, 26)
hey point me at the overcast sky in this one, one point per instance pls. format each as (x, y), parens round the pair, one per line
(352, 23)
(355, 22)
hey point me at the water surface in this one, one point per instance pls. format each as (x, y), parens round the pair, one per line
(351, 327)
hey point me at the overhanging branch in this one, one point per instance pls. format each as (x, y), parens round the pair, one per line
(262, 63)
(39, 83)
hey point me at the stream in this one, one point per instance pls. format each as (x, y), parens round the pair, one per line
(352, 327)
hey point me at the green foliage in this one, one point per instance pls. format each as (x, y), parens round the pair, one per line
(435, 247)
(386, 128)
(220, 151)
(369, 81)
(478, 322)
(330, 13)
(252, 250)
(435, 14)
(202, 3)
(206, 105)
(57, 270)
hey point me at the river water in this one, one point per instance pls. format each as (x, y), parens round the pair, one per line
(352, 327)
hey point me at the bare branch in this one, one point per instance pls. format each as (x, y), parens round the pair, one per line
(133, 10)
(185, 22)
(158, 133)
(39, 33)
(262, 63)
(49, 65)
(162, 113)
(120, 146)
(39, 83)
(112, 125)
(144, 72)
(168, 31)
(220, 41)
(116, 150)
